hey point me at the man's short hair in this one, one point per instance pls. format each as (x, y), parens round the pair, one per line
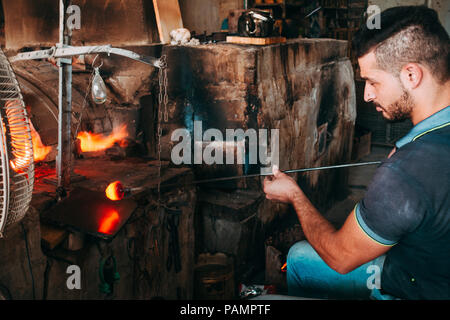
(407, 34)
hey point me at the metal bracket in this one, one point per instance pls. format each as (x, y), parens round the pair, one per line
(69, 51)
(64, 61)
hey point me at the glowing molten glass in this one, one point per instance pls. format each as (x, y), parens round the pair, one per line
(115, 191)
(109, 222)
(91, 142)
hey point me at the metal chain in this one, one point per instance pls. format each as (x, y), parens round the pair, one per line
(163, 100)
(166, 97)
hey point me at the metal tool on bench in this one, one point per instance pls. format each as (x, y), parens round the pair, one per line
(256, 23)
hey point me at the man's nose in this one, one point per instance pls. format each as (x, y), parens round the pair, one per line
(369, 94)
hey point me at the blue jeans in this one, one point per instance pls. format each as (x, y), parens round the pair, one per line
(310, 277)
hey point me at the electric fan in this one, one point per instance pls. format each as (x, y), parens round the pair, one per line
(16, 150)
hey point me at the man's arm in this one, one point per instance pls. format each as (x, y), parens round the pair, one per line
(344, 249)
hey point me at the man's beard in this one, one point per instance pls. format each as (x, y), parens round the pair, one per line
(400, 110)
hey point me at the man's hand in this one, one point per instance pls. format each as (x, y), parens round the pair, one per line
(343, 250)
(392, 152)
(281, 187)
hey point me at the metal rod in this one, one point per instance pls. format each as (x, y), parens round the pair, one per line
(61, 23)
(312, 12)
(286, 172)
(63, 159)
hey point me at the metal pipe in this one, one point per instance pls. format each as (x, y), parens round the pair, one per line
(61, 23)
(64, 156)
(286, 172)
(312, 12)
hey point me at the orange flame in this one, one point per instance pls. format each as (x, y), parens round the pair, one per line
(40, 151)
(96, 142)
(115, 191)
(284, 267)
(17, 122)
(109, 222)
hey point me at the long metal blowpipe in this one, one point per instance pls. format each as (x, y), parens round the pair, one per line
(286, 172)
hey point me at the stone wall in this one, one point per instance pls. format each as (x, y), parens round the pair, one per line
(302, 86)
(114, 22)
(23, 263)
(295, 87)
(207, 15)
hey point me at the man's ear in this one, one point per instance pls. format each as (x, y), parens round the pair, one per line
(411, 75)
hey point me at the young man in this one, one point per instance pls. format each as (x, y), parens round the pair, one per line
(401, 229)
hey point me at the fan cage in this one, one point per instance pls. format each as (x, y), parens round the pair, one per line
(16, 150)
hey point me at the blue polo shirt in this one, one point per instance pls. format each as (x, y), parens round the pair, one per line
(407, 207)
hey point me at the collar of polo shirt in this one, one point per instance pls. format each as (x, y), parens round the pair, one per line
(437, 121)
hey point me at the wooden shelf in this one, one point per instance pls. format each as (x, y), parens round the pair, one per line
(258, 5)
(282, 5)
(335, 8)
(341, 19)
(255, 41)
